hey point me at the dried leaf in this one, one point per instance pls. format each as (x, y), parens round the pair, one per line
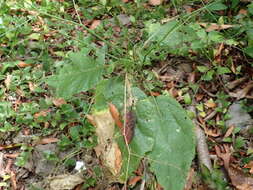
(13, 180)
(224, 153)
(95, 24)
(23, 64)
(47, 140)
(213, 26)
(65, 181)
(243, 12)
(229, 131)
(13, 155)
(219, 53)
(210, 104)
(250, 166)
(59, 101)
(90, 119)
(212, 132)
(239, 179)
(236, 82)
(132, 181)
(155, 2)
(2, 170)
(42, 113)
(242, 93)
(7, 81)
(107, 147)
(31, 86)
(188, 185)
(115, 115)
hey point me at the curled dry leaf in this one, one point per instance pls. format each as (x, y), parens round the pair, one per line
(23, 64)
(59, 101)
(115, 115)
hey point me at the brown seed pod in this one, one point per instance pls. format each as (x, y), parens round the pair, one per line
(129, 127)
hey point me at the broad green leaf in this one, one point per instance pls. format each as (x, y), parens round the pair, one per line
(82, 74)
(166, 128)
(222, 70)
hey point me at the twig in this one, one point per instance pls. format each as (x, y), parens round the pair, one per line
(202, 148)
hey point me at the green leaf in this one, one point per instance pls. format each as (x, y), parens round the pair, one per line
(169, 133)
(223, 70)
(82, 74)
(216, 6)
(202, 69)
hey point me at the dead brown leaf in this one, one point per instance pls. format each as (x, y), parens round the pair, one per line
(31, 86)
(155, 2)
(23, 64)
(2, 169)
(236, 82)
(218, 54)
(224, 153)
(13, 155)
(210, 104)
(212, 132)
(95, 24)
(91, 120)
(132, 181)
(47, 140)
(189, 180)
(59, 101)
(107, 147)
(7, 81)
(243, 92)
(239, 179)
(213, 26)
(229, 131)
(250, 166)
(243, 12)
(115, 115)
(42, 113)
(13, 180)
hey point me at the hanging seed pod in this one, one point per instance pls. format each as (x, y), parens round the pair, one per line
(129, 127)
